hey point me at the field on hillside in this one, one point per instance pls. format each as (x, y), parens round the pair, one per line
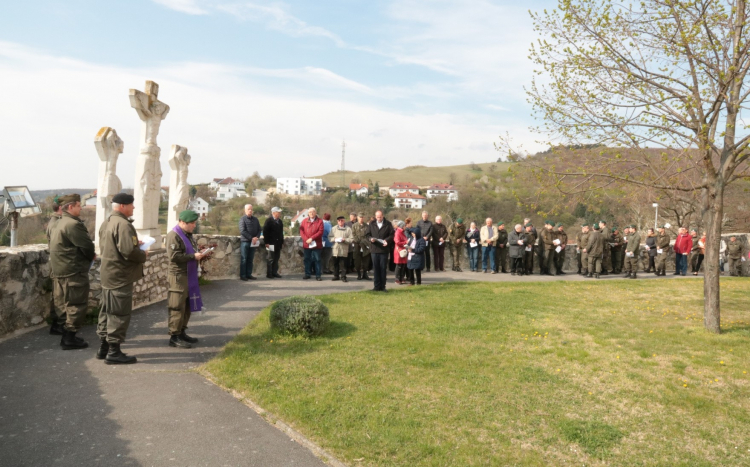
(614, 372)
(418, 174)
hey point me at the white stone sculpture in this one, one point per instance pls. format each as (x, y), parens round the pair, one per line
(109, 147)
(179, 189)
(148, 173)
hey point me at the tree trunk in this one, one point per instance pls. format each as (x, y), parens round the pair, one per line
(712, 216)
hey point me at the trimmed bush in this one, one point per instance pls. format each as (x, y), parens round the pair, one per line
(300, 315)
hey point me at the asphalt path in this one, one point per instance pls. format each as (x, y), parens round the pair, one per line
(65, 408)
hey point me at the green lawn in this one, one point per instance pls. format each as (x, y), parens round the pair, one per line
(477, 374)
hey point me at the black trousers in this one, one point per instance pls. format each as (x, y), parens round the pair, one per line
(528, 258)
(427, 256)
(380, 270)
(410, 273)
(516, 265)
(272, 265)
(339, 266)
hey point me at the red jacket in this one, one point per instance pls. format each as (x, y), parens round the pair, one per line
(399, 242)
(683, 244)
(312, 230)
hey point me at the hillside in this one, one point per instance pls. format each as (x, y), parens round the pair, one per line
(417, 174)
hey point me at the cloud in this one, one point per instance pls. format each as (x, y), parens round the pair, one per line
(183, 6)
(230, 118)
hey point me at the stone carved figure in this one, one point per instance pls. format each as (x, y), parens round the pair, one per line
(148, 173)
(109, 147)
(179, 189)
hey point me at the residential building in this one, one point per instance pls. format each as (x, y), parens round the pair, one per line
(260, 196)
(400, 187)
(299, 186)
(409, 200)
(299, 217)
(230, 188)
(359, 189)
(200, 206)
(443, 189)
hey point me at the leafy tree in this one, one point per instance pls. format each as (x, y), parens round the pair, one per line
(654, 74)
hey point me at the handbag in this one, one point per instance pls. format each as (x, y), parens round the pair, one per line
(403, 253)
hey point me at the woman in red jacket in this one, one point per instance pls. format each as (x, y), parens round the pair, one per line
(399, 245)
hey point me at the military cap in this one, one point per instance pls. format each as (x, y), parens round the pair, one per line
(596, 227)
(559, 224)
(548, 222)
(67, 199)
(500, 223)
(341, 218)
(188, 216)
(56, 199)
(123, 198)
(528, 225)
(275, 209)
(360, 214)
(460, 221)
(352, 213)
(661, 227)
(585, 224)
(632, 226)
(602, 222)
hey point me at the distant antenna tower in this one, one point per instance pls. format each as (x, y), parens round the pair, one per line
(343, 163)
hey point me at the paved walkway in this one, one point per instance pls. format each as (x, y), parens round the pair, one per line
(65, 408)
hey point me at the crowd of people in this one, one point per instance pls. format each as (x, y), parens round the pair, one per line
(361, 244)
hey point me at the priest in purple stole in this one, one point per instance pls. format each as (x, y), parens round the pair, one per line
(184, 294)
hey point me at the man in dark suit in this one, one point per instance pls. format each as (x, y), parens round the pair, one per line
(273, 235)
(380, 234)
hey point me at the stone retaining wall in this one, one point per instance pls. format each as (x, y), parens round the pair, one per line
(25, 287)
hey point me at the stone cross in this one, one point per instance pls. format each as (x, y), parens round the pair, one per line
(179, 189)
(109, 147)
(148, 173)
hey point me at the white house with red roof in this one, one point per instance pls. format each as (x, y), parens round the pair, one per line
(359, 189)
(409, 200)
(400, 187)
(229, 188)
(442, 189)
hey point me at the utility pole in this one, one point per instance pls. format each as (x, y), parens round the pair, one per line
(343, 163)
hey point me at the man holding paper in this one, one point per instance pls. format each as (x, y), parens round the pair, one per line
(273, 234)
(249, 233)
(561, 239)
(122, 265)
(340, 236)
(632, 252)
(311, 231)
(662, 247)
(380, 235)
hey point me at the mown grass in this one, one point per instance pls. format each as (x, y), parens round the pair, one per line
(476, 374)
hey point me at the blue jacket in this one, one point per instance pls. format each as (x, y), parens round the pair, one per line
(326, 231)
(417, 259)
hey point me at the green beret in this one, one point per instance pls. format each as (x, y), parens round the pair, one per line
(602, 222)
(460, 221)
(56, 199)
(632, 226)
(500, 223)
(529, 225)
(67, 199)
(559, 224)
(187, 216)
(584, 225)
(596, 227)
(548, 222)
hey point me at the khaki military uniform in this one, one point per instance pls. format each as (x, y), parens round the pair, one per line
(607, 250)
(71, 254)
(547, 237)
(360, 247)
(528, 256)
(177, 296)
(595, 249)
(501, 250)
(618, 252)
(584, 255)
(456, 241)
(560, 257)
(662, 243)
(632, 253)
(734, 257)
(56, 314)
(122, 265)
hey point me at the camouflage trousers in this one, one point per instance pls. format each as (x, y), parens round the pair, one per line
(71, 295)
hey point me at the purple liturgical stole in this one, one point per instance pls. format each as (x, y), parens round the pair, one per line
(194, 291)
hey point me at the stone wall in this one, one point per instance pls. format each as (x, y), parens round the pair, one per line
(149, 289)
(25, 287)
(224, 263)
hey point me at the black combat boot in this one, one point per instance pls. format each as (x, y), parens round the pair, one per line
(69, 341)
(188, 339)
(116, 357)
(101, 354)
(335, 278)
(176, 341)
(627, 276)
(56, 329)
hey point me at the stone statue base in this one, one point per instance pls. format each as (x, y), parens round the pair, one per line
(156, 233)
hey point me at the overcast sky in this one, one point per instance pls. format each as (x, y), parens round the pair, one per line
(266, 86)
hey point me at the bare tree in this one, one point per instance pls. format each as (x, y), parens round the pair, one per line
(632, 77)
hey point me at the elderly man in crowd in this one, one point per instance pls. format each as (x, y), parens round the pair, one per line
(425, 226)
(273, 235)
(439, 237)
(249, 233)
(311, 231)
(487, 238)
(184, 296)
(683, 244)
(341, 237)
(70, 256)
(380, 235)
(516, 250)
(501, 248)
(122, 265)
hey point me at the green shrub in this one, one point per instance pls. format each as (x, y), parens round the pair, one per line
(300, 315)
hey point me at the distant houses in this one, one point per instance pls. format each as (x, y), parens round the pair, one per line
(400, 187)
(410, 200)
(299, 186)
(200, 206)
(443, 189)
(228, 188)
(299, 217)
(359, 189)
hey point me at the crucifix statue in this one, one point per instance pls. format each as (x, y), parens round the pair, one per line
(148, 173)
(179, 190)
(109, 147)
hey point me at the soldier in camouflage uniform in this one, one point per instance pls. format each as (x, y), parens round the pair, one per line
(734, 256)
(617, 250)
(562, 238)
(632, 252)
(606, 239)
(547, 237)
(583, 256)
(361, 248)
(662, 244)
(456, 241)
(71, 254)
(595, 249)
(56, 314)
(122, 265)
